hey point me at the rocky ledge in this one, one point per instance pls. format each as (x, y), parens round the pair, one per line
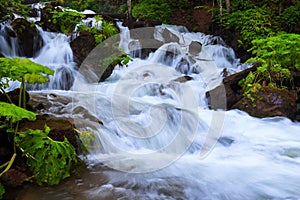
(265, 102)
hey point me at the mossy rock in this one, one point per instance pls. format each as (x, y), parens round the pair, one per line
(269, 102)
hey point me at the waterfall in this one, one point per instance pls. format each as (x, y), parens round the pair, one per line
(56, 54)
(9, 44)
(155, 137)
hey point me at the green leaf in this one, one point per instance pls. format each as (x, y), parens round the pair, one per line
(49, 160)
(2, 190)
(14, 113)
(22, 68)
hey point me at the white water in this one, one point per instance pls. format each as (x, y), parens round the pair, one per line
(160, 141)
(56, 54)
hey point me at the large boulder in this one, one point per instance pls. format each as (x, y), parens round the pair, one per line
(82, 46)
(29, 39)
(264, 102)
(269, 102)
(229, 92)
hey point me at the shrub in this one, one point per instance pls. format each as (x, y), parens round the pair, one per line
(279, 55)
(153, 9)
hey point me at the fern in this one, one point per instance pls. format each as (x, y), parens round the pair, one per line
(49, 160)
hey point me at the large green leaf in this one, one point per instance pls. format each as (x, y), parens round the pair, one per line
(49, 160)
(24, 69)
(15, 113)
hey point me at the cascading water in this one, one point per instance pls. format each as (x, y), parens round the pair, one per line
(56, 54)
(9, 45)
(157, 138)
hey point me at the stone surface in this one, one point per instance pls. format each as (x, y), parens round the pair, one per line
(29, 39)
(269, 102)
(229, 93)
(82, 46)
(60, 128)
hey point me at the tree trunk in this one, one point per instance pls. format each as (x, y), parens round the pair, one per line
(228, 5)
(129, 7)
(221, 7)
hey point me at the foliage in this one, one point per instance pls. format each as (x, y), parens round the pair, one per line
(279, 55)
(108, 29)
(88, 141)
(7, 8)
(77, 5)
(182, 4)
(283, 49)
(152, 9)
(95, 5)
(100, 34)
(13, 113)
(49, 160)
(289, 18)
(66, 20)
(251, 24)
(2, 190)
(114, 59)
(22, 69)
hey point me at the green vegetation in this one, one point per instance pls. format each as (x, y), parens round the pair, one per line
(278, 55)
(250, 24)
(100, 34)
(266, 29)
(66, 20)
(2, 190)
(9, 7)
(153, 9)
(88, 141)
(96, 5)
(49, 160)
(23, 70)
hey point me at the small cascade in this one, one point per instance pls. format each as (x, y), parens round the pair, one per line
(127, 44)
(8, 40)
(57, 55)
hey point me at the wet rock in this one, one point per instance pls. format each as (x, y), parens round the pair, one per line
(229, 92)
(183, 79)
(222, 97)
(82, 46)
(142, 23)
(195, 48)
(169, 36)
(269, 102)
(225, 141)
(146, 46)
(10, 32)
(29, 39)
(60, 129)
(14, 177)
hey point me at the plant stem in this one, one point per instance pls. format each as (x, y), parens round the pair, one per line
(3, 91)
(9, 164)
